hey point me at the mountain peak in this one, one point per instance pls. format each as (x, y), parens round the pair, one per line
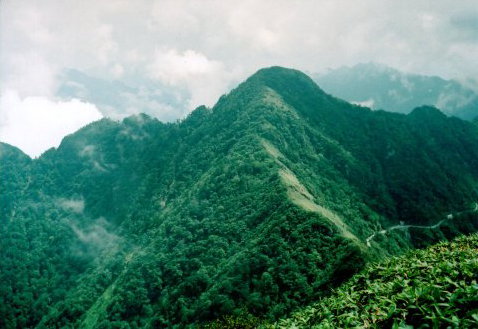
(275, 70)
(295, 87)
(292, 87)
(10, 151)
(427, 111)
(277, 77)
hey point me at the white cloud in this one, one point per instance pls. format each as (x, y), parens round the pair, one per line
(31, 75)
(173, 67)
(203, 47)
(96, 236)
(35, 124)
(367, 103)
(74, 205)
(204, 78)
(107, 47)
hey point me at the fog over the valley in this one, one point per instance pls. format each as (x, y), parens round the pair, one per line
(67, 63)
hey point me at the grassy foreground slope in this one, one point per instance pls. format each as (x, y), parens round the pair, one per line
(432, 288)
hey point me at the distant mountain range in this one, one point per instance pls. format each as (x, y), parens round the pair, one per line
(260, 204)
(381, 87)
(117, 99)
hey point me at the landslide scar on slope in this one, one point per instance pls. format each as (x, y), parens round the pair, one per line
(301, 197)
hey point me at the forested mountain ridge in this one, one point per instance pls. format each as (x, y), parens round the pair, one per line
(263, 202)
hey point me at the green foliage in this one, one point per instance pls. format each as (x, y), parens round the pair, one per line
(432, 288)
(13, 164)
(243, 320)
(262, 203)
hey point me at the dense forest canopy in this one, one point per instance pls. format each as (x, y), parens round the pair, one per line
(260, 204)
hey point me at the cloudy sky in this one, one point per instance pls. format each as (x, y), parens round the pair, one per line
(167, 57)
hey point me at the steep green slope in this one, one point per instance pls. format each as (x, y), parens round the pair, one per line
(13, 184)
(432, 288)
(263, 202)
(212, 238)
